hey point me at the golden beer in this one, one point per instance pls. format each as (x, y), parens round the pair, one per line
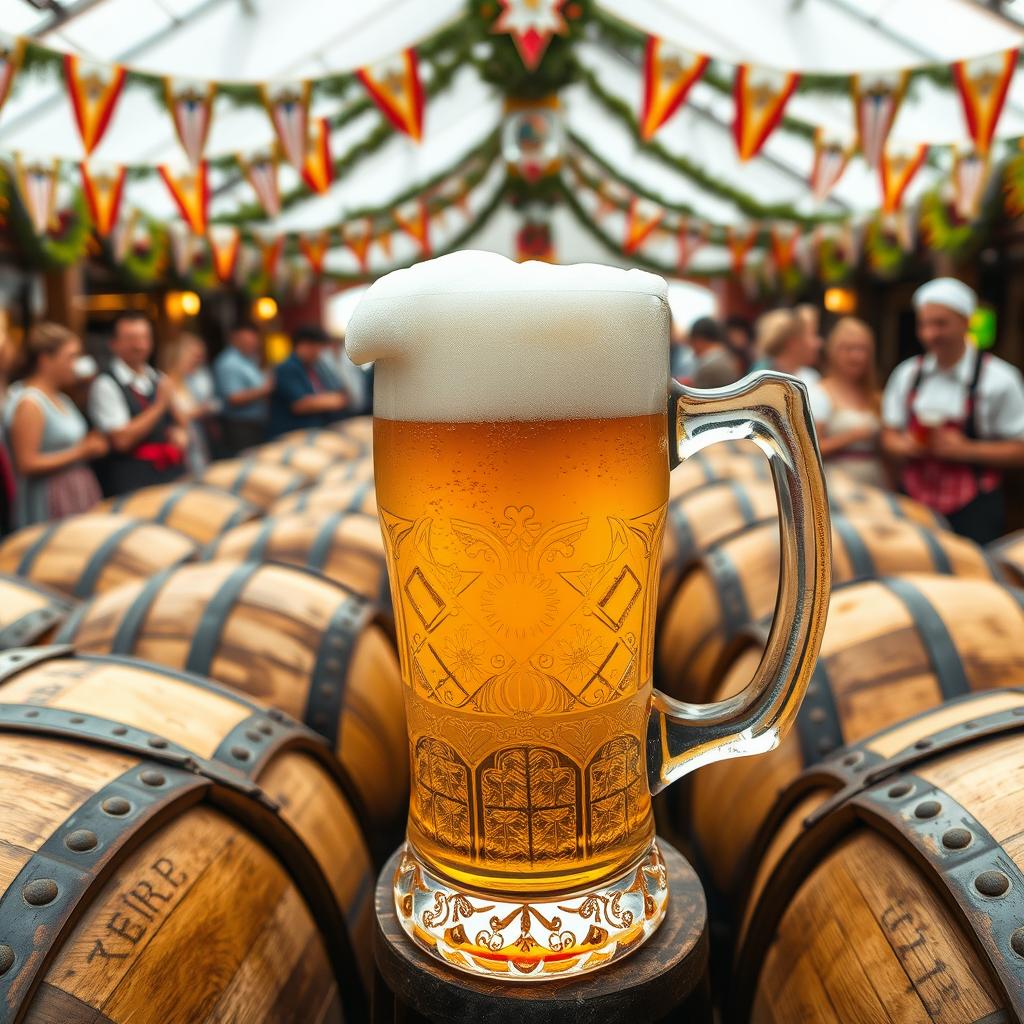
(523, 434)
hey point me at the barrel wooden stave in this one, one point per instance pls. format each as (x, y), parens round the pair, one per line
(261, 483)
(359, 427)
(344, 446)
(356, 495)
(198, 511)
(309, 460)
(274, 640)
(29, 612)
(882, 657)
(1008, 554)
(345, 547)
(90, 554)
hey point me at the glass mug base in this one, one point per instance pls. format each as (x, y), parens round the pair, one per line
(531, 940)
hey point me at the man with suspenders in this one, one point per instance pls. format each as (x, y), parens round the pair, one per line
(954, 417)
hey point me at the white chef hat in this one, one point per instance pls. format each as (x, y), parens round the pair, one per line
(948, 292)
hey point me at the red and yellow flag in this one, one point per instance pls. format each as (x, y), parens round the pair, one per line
(270, 256)
(970, 179)
(191, 193)
(394, 85)
(669, 74)
(12, 52)
(897, 170)
(224, 240)
(691, 237)
(414, 219)
(830, 160)
(358, 239)
(103, 189)
(983, 84)
(784, 238)
(288, 107)
(37, 186)
(739, 242)
(876, 102)
(318, 168)
(383, 239)
(531, 24)
(191, 107)
(184, 245)
(94, 90)
(314, 248)
(261, 173)
(760, 96)
(642, 217)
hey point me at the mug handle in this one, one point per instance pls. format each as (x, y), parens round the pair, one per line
(772, 410)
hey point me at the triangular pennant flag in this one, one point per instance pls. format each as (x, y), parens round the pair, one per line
(983, 84)
(94, 90)
(224, 240)
(642, 217)
(384, 241)
(669, 74)
(830, 159)
(184, 246)
(531, 23)
(318, 169)
(270, 255)
(358, 240)
(876, 102)
(37, 186)
(784, 239)
(970, 178)
(288, 107)
(851, 241)
(12, 52)
(124, 232)
(739, 242)
(191, 107)
(260, 171)
(690, 238)
(314, 248)
(897, 171)
(414, 220)
(246, 261)
(760, 95)
(103, 188)
(395, 87)
(191, 192)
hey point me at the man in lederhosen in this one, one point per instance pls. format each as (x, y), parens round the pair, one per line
(954, 417)
(131, 403)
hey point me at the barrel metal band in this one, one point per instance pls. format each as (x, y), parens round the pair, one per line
(743, 502)
(32, 552)
(258, 551)
(679, 523)
(940, 560)
(127, 632)
(729, 588)
(173, 498)
(240, 481)
(246, 510)
(320, 549)
(359, 496)
(85, 585)
(861, 562)
(32, 625)
(211, 625)
(817, 722)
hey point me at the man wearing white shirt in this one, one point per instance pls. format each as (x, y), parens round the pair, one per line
(954, 417)
(130, 403)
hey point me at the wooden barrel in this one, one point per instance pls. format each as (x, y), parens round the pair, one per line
(309, 460)
(345, 546)
(735, 583)
(359, 427)
(351, 470)
(710, 466)
(89, 554)
(172, 852)
(262, 483)
(344, 446)
(859, 501)
(892, 647)
(29, 612)
(894, 888)
(283, 635)
(344, 496)
(196, 510)
(1008, 554)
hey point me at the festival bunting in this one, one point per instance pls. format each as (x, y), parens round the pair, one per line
(358, 239)
(414, 219)
(760, 95)
(531, 23)
(970, 179)
(831, 157)
(642, 217)
(314, 248)
(669, 74)
(383, 239)
(740, 241)
(394, 85)
(983, 84)
(103, 188)
(37, 186)
(270, 256)
(124, 233)
(897, 170)
(224, 240)
(318, 169)
(184, 246)
(94, 90)
(247, 260)
(191, 107)
(690, 238)
(288, 107)
(876, 102)
(261, 173)
(191, 193)
(12, 52)
(784, 241)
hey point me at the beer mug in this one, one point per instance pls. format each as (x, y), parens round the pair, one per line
(522, 454)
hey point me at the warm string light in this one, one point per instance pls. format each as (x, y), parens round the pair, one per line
(842, 301)
(179, 305)
(264, 308)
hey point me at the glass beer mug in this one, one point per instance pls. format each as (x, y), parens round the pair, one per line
(522, 454)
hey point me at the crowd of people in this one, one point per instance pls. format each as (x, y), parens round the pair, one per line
(945, 429)
(72, 431)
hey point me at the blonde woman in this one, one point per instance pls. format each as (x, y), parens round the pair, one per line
(847, 404)
(784, 343)
(179, 359)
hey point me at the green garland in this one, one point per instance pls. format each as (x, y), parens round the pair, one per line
(833, 266)
(51, 251)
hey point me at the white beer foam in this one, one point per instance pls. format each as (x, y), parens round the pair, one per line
(473, 336)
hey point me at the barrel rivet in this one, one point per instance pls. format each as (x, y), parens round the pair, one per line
(82, 840)
(76, 720)
(825, 745)
(276, 715)
(40, 892)
(851, 759)
(992, 884)
(1016, 943)
(116, 806)
(922, 744)
(153, 778)
(817, 715)
(956, 839)
(264, 727)
(32, 713)
(119, 730)
(901, 789)
(927, 809)
(253, 736)
(157, 742)
(6, 958)
(240, 753)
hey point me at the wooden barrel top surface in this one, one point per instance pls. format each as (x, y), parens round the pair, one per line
(341, 496)
(309, 460)
(29, 612)
(344, 446)
(261, 483)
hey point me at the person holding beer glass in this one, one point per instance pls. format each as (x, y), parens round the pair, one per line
(954, 417)
(522, 504)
